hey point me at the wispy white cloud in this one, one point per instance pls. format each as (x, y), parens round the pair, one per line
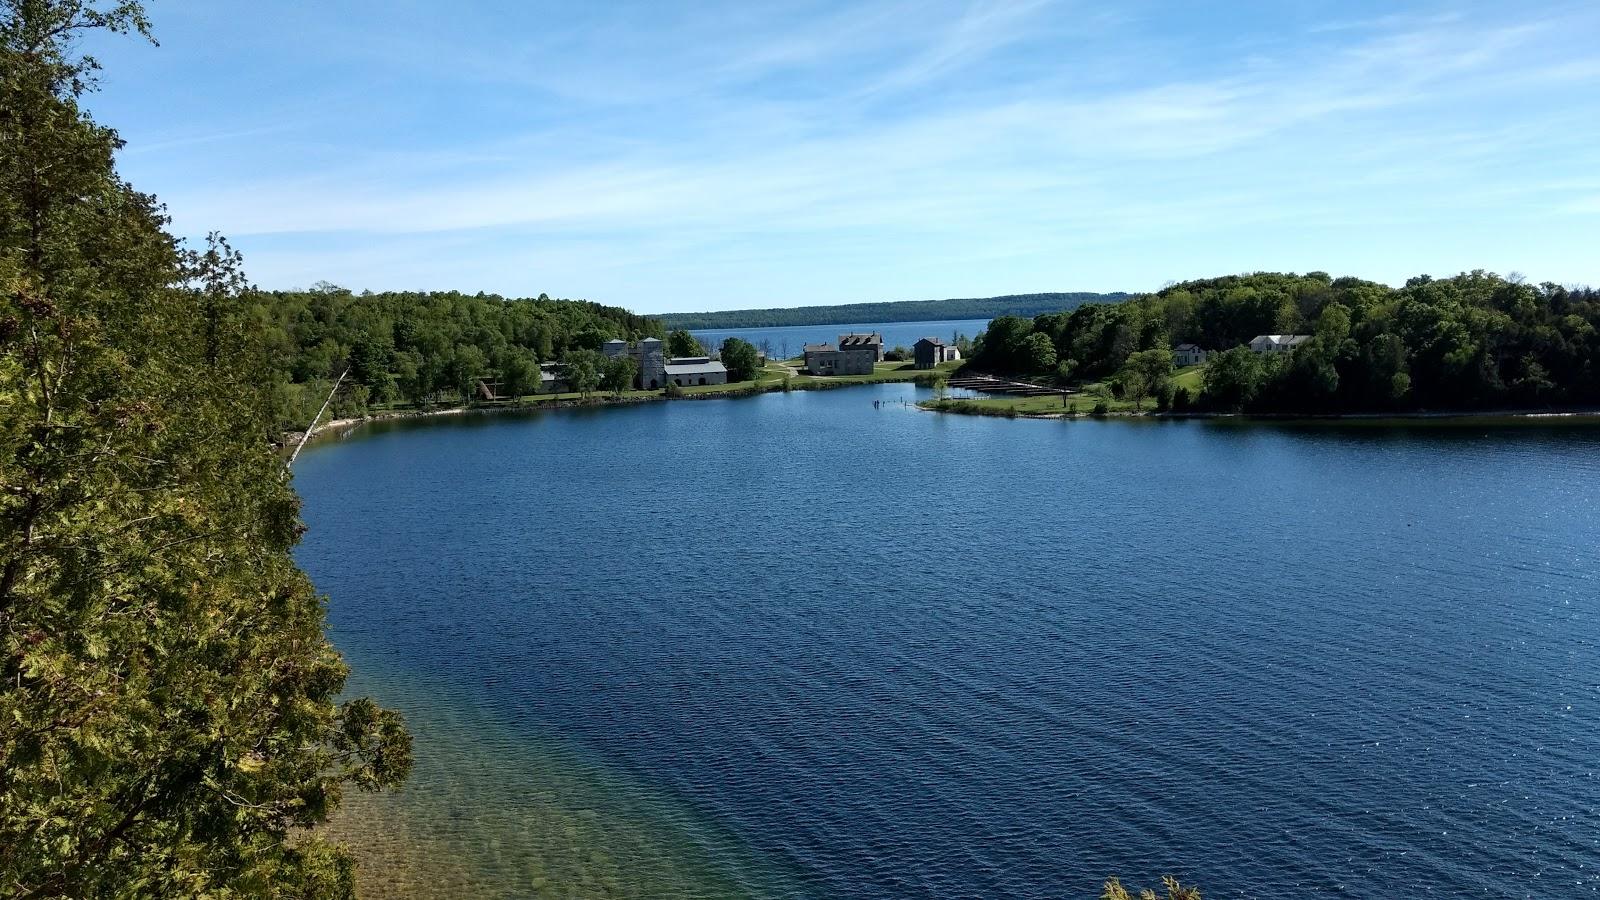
(991, 130)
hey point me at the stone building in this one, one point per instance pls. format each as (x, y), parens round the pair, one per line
(656, 370)
(856, 354)
(690, 370)
(930, 352)
(648, 355)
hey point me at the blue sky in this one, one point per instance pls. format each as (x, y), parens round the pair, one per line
(709, 155)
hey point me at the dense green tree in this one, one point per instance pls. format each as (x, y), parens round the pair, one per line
(169, 714)
(583, 370)
(1036, 354)
(1145, 373)
(419, 340)
(1473, 341)
(519, 371)
(1233, 379)
(618, 373)
(739, 356)
(682, 343)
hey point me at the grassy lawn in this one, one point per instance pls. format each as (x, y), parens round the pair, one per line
(1189, 377)
(882, 373)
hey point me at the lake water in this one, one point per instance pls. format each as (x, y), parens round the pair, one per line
(795, 337)
(798, 646)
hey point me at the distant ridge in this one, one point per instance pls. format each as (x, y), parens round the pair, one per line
(898, 311)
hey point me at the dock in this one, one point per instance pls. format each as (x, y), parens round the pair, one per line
(990, 384)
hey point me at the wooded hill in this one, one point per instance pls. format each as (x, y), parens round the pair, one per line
(1473, 341)
(898, 311)
(411, 346)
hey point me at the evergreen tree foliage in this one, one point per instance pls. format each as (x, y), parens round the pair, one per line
(169, 714)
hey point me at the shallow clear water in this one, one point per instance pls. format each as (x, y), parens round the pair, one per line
(795, 645)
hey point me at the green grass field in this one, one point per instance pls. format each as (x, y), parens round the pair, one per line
(882, 373)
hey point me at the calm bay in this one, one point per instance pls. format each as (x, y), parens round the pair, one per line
(822, 644)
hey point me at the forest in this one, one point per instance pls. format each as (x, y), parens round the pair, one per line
(899, 311)
(1475, 341)
(419, 346)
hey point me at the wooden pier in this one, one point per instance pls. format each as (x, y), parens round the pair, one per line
(989, 384)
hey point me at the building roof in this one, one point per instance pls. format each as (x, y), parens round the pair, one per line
(1293, 340)
(818, 348)
(651, 341)
(931, 340)
(688, 360)
(699, 368)
(616, 341)
(852, 340)
(1188, 348)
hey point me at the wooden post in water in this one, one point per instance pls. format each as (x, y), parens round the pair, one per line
(313, 426)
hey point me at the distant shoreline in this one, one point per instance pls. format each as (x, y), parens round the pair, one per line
(806, 383)
(1453, 417)
(887, 313)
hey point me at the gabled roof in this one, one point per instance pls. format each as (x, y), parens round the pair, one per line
(854, 339)
(930, 340)
(651, 341)
(702, 368)
(1188, 348)
(616, 341)
(818, 348)
(1291, 339)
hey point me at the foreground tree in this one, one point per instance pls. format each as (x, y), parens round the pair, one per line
(168, 715)
(1174, 891)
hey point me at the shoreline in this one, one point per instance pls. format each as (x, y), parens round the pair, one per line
(1530, 416)
(599, 399)
(1464, 417)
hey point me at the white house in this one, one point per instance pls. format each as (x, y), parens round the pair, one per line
(1188, 355)
(1277, 343)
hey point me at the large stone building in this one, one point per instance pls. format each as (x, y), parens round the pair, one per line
(656, 370)
(856, 354)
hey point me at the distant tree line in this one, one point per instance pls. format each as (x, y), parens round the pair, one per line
(899, 311)
(422, 347)
(1473, 341)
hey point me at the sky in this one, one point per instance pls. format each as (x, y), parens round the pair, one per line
(669, 156)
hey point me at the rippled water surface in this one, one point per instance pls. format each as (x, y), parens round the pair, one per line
(799, 646)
